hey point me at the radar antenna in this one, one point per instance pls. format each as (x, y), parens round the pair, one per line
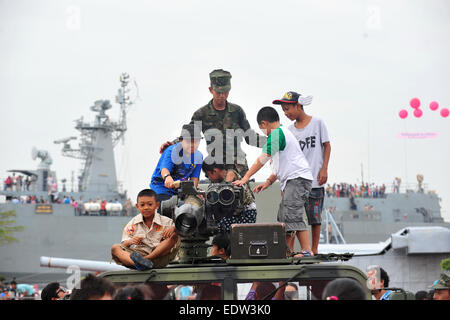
(123, 98)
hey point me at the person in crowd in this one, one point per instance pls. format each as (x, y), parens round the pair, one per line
(22, 289)
(344, 289)
(140, 292)
(93, 288)
(421, 295)
(291, 292)
(209, 292)
(128, 207)
(8, 183)
(441, 288)
(379, 281)
(53, 291)
(264, 290)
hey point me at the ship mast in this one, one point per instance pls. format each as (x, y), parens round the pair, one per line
(96, 148)
(123, 99)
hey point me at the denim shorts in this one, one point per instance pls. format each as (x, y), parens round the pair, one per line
(292, 207)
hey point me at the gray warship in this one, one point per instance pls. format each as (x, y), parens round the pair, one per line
(37, 208)
(86, 231)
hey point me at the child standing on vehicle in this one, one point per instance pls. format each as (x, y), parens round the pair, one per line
(291, 168)
(312, 136)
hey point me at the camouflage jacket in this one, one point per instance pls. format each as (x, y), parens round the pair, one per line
(233, 117)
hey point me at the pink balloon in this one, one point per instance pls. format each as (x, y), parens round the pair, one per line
(403, 113)
(434, 105)
(414, 103)
(445, 112)
(418, 113)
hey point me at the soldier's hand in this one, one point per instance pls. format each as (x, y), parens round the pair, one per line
(164, 146)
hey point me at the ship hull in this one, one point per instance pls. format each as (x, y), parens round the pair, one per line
(60, 233)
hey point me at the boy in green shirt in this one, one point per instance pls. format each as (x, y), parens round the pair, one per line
(291, 168)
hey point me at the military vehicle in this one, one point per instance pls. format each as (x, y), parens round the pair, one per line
(258, 253)
(234, 277)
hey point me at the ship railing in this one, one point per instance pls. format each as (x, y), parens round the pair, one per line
(81, 211)
(336, 233)
(411, 188)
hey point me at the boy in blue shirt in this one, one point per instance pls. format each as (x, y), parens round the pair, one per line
(179, 162)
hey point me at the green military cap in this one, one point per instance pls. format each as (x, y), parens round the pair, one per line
(443, 283)
(220, 80)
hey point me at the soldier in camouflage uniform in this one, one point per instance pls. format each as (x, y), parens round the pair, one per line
(225, 125)
(217, 173)
(441, 288)
(230, 120)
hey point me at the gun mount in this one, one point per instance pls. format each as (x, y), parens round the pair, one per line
(46, 159)
(196, 215)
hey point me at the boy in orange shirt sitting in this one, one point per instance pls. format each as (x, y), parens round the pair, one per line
(149, 240)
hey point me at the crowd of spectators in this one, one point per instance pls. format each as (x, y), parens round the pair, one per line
(33, 199)
(346, 190)
(92, 287)
(17, 183)
(78, 205)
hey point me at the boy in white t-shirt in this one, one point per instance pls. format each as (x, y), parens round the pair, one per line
(291, 168)
(312, 135)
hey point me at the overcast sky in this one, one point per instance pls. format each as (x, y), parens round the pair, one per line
(361, 60)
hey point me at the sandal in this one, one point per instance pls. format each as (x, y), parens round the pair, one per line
(303, 254)
(140, 262)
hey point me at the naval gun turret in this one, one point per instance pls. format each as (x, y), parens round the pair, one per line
(43, 175)
(46, 159)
